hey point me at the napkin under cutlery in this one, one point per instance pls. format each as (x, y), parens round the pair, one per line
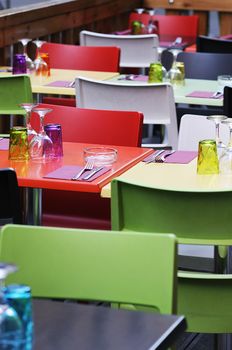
(205, 94)
(66, 172)
(178, 157)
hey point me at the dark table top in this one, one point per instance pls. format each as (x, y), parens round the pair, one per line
(69, 326)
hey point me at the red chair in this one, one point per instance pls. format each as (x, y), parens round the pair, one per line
(170, 25)
(62, 56)
(87, 210)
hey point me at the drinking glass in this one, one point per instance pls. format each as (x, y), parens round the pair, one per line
(153, 26)
(28, 108)
(225, 160)
(217, 119)
(11, 331)
(40, 64)
(174, 74)
(29, 63)
(41, 146)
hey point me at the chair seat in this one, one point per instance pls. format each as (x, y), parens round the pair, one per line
(18, 111)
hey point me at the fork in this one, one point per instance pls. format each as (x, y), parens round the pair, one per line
(161, 158)
(88, 166)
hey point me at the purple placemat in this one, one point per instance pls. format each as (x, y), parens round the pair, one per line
(4, 144)
(141, 78)
(204, 94)
(66, 172)
(60, 83)
(181, 157)
(123, 32)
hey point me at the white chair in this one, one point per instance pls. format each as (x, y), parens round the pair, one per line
(155, 101)
(194, 128)
(136, 50)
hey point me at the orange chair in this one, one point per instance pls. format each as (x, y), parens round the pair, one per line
(87, 210)
(64, 56)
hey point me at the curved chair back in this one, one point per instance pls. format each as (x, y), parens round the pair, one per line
(155, 101)
(136, 50)
(194, 128)
(137, 268)
(63, 56)
(122, 128)
(208, 44)
(175, 25)
(200, 65)
(10, 209)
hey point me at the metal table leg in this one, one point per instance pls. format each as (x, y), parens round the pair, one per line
(32, 204)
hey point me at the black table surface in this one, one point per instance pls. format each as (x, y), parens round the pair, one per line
(68, 326)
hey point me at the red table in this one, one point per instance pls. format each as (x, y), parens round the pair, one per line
(30, 174)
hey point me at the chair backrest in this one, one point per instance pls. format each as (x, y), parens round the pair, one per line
(14, 89)
(10, 210)
(122, 128)
(175, 25)
(227, 101)
(194, 128)
(136, 50)
(211, 64)
(191, 216)
(109, 266)
(205, 300)
(65, 56)
(208, 44)
(155, 101)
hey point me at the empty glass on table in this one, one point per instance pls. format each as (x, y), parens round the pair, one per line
(217, 119)
(176, 73)
(225, 160)
(40, 65)
(28, 108)
(29, 63)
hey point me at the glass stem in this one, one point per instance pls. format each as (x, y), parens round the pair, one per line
(230, 140)
(41, 130)
(217, 134)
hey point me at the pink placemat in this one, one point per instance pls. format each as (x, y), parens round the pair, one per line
(123, 32)
(66, 172)
(204, 94)
(60, 83)
(141, 78)
(4, 144)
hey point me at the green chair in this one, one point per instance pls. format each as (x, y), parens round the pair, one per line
(14, 89)
(135, 268)
(203, 218)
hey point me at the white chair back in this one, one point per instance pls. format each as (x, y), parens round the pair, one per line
(155, 101)
(194, 128)
(136, 50)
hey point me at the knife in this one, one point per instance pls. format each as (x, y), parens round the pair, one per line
(91, 173)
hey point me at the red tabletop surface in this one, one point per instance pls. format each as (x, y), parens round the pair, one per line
(30, 173)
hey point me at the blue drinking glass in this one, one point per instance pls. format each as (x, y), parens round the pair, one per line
(19, 298)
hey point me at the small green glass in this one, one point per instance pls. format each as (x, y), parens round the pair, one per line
(155, 74)
(18, 147)
(207, 162)
(136, 27)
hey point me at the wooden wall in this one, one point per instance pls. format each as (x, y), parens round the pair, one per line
(60, 21)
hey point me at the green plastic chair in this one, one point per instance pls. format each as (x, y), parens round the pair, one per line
(135, 268)
(14, 89)
(203, 218)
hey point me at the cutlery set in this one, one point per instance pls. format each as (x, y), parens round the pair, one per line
(89, 166)
(159, 156)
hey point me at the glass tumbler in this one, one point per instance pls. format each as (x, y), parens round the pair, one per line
(54, 132)
(155, 74)
(207, 162)
(18, 145)
(19, 64)
(19, 298)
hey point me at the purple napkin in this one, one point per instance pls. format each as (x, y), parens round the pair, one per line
(181, 157)
(204, 94)
(123, 32)
(60, 83)
(4, 144)
(66, 172)
(140, 78)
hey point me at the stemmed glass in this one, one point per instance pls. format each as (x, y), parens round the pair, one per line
(217, 119)
(151, 27)
(41, 146)
(28, 108)
(40, 64)
(29, 62)
(225, 161)
(174, 74)
(11, 331)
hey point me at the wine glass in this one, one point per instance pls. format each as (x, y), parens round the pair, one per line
(152, 26)
(29, 62)
(174, 74)
(40, 65)
(225, 161)
(217, 119)
(11, 330)
(28, 108)
(41, 146)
